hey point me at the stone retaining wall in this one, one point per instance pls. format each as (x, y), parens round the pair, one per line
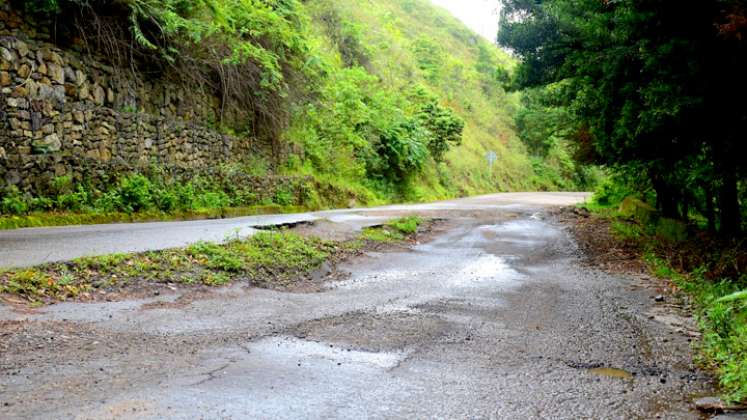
(64, 113)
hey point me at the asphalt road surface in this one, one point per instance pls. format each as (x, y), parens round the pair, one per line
(492, 315)
(33, 246)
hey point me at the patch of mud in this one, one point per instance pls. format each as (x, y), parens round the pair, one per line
(328, 230)
(183, 301)
(597, 245)
(373, 331)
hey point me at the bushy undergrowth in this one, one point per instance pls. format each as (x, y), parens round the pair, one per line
(710, 271)
(721, 309)
(138, 193)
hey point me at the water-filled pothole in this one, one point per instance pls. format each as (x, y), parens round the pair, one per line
(611, 373)
(302, 350)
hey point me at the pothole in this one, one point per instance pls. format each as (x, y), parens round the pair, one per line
(378, 331)
(288, 225)
(611, 372)
(306, 351)
(603, 369)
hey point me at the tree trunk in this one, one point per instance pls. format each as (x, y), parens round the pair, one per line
(731, 222)
(666, 201)
(710, 212)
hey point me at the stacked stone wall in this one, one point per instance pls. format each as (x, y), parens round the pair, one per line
(66, 113)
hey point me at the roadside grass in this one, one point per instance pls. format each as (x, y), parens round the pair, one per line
(42, 219)
(709, 274)
(721, 310)
(269, 259)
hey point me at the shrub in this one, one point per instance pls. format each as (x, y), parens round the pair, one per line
(212, 200)
(284, 197)
(610, 193)
(136, 193)
(407, 225)
(14, 202)
(75, 201)
(444, 126)
(403, 148)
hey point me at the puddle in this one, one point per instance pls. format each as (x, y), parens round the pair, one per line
(486, 267)
(522, 232)
(396, 308)
(611, 373)
(366, 279)
(294, 348)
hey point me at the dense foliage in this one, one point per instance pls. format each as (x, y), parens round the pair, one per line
(225, 187)
(379, 100)
(653, 91)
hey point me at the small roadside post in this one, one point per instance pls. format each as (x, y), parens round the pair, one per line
(491, 157)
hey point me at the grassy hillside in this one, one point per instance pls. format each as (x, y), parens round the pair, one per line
(407, 43)
(358, 102)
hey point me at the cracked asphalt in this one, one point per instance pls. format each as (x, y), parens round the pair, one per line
(492, 315)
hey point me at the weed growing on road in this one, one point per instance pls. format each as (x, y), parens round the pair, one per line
(35, 283)
(406, 225)
(394, 230)
(381, 234)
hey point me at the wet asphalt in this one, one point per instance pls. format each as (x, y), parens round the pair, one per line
(492, 315)
(33, 246)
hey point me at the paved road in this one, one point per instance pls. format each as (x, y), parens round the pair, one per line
(492, 316)
(26, 247)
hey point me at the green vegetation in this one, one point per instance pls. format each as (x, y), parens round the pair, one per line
(267, 259)
(647, 90)
(545, 126)
(426, 79)
(394, 230)
(272, 259)
(382, 102)
(406, 225)
(708, 270)
(225, 191)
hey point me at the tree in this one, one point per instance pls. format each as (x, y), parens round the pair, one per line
(656, 86)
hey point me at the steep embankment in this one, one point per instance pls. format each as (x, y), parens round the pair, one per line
(406, 43)
(164, 108)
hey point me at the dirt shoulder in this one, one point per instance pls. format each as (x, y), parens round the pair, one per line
(601, 249)
(296, 258)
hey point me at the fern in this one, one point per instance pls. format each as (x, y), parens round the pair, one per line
(736, 296)
(139, 35)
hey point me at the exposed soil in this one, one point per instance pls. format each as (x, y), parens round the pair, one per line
(600, 248)
(346, 247)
